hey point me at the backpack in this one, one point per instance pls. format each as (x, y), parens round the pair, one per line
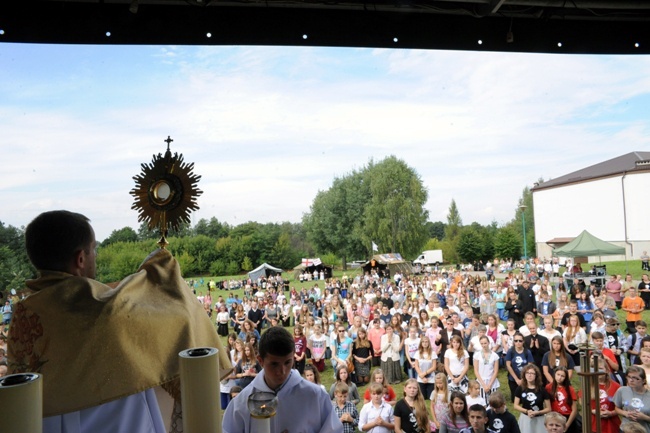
(637, 359)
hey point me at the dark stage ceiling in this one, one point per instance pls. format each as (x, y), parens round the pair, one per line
(548, 26)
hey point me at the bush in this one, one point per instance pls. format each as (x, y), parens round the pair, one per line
(233, 268)
(218, 268)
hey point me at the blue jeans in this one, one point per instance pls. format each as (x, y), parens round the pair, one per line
(412, 374)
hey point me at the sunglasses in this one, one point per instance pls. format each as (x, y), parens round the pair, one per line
(519, 341)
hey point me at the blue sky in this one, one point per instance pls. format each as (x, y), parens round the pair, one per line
(267, 127)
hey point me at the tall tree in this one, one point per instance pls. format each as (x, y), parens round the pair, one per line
(395, 216)
(488, 234)
(334, 223)
(381, 203)
(454, 222)
(470, 245)
(507, 243)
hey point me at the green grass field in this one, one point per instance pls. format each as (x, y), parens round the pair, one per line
(327, 377)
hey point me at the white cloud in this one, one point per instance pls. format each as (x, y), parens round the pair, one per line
(267, 127)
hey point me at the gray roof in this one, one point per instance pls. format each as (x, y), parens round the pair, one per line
(630, 162)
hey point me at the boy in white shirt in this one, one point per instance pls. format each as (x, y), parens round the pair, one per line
(377, 414)
(475, 342)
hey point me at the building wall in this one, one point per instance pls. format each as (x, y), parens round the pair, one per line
(597, 207)
(637, 200)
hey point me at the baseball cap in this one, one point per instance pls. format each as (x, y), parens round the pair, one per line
(613, 321)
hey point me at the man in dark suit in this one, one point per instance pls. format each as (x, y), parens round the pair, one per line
(537, 344)
(527, 298)
(256, 315)
(445, 337)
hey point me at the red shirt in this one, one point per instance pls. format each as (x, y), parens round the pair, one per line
(301, 344)
(613, 423)
(559, 400)
(390, 396)
(610, 355)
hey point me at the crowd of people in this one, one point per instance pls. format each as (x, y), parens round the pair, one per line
(443, 335)
(430, 331)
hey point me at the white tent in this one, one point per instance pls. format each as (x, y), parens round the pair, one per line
(263, 270)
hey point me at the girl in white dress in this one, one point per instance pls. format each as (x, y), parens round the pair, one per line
(456, 365)
(486, 367)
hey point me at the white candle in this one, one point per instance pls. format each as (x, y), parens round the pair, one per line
(261, 425)
(200, 390)
(263, 407)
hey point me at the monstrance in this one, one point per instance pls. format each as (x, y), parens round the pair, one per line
(165, 192)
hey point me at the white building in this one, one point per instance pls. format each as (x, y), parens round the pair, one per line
(611, 200)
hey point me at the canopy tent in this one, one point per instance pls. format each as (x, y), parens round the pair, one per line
(263, 270)
(586, 245)
(311, 265)
(390, 262)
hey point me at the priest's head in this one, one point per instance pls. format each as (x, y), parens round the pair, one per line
(62, 241)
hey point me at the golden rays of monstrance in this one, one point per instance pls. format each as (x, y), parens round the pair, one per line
(165, 192)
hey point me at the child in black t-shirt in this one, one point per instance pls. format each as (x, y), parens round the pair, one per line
(499, 419)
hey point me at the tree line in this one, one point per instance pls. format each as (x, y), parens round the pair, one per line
(210, 247)
(381, 203)
(475, 242)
